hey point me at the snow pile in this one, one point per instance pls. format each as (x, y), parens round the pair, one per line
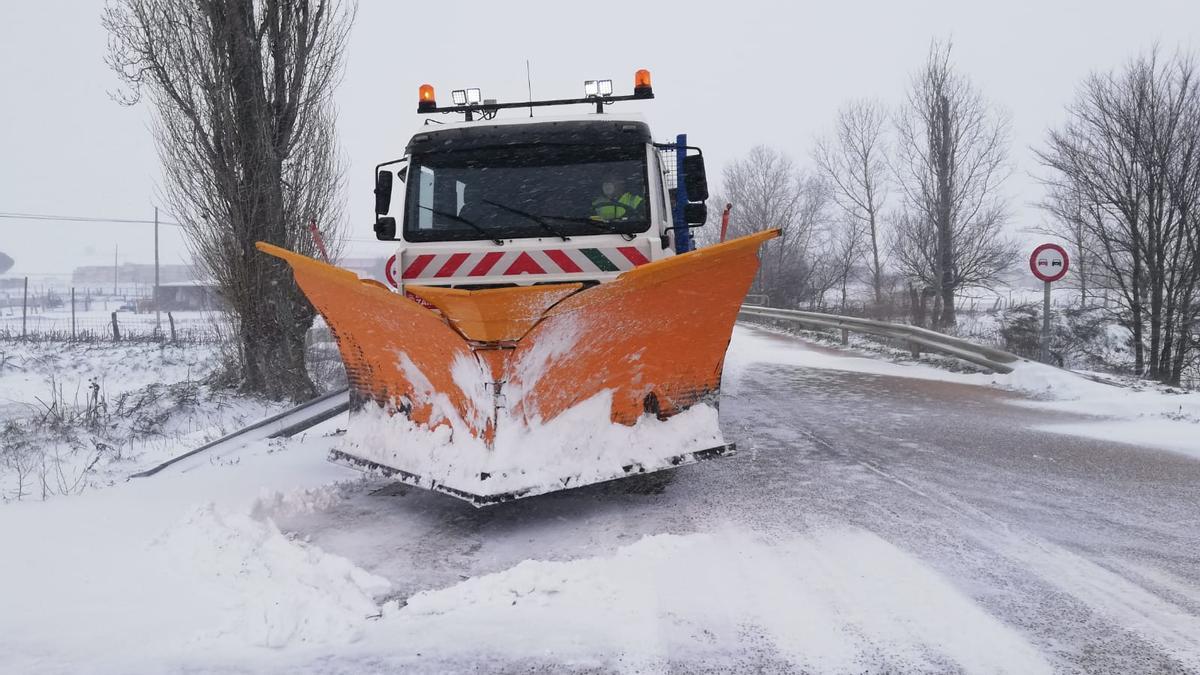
(834, 601)
(581, 444)
(278, 591)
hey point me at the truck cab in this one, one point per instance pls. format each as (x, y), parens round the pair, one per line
(487, 203)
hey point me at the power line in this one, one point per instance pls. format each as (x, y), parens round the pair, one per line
(133, 221)
(83, 219)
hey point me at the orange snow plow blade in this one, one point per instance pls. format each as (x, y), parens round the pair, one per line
(503, 393)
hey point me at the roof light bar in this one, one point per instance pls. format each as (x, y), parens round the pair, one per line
(470, 102)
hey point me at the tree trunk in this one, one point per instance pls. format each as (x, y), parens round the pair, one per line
(944, 144)
(876, 268)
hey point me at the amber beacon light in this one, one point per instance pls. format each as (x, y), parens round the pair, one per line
(641, 83)
(425, 98)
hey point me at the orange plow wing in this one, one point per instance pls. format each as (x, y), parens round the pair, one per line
(510, 392)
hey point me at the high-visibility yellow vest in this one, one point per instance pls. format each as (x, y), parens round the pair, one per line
(613, 209)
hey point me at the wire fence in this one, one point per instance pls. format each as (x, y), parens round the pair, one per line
(115, 329)
(88, 314)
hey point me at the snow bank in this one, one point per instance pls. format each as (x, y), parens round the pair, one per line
(835, 601)
(278, 591)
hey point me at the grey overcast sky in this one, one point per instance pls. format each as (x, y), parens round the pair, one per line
(731, 75)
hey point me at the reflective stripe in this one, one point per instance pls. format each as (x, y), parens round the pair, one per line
(452, 265)
(599, 260)
(485, 264)
(418, 264)
(633, 255)
(563, 261)
(529, 261)
(524, 264)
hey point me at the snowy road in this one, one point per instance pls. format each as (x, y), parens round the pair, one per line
(1087, 551)
(871, 522)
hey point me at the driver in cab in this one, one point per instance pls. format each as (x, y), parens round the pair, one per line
(615, 202)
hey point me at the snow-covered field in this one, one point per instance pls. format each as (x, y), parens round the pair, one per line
(80, 415)
(210, 568)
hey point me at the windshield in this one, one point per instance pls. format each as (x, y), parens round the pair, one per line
(523, 191)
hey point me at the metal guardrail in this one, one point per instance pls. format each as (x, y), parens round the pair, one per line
(917, 338)
(283, 425)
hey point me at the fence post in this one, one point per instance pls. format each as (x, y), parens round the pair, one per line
(171, 321)
(24, 306)
(116, 330)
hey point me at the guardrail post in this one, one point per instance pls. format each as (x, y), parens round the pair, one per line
(915, 349)
(845, 336)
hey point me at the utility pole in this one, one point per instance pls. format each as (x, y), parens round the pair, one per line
(157, 313)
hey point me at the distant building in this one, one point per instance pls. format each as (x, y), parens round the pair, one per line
(188, 296)
(131, 273)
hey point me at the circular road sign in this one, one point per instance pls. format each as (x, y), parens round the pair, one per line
(1049, 262)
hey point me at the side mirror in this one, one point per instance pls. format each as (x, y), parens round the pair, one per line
(383, 192)
(695, 213)
(694, 178)
(385, 228)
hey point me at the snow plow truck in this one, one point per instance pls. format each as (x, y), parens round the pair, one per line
(547, 323)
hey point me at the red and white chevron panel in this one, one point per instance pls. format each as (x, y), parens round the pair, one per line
(518, 262)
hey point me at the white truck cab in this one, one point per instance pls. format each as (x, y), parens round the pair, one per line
(486, 203)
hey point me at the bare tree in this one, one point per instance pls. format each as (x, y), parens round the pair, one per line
(844, 246)
(1130, 152)
(767, 190)
(951, 159)
(1073, 219)
(855, 167)
(245, 133)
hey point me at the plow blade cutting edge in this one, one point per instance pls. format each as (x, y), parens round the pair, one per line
(510, 392)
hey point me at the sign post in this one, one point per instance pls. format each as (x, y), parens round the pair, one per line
(1049, 263)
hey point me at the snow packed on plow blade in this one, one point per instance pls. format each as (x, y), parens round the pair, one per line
(501, 393)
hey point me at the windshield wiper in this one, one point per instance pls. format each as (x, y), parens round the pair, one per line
(535, 218)
(603, 226)
(477, 228)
